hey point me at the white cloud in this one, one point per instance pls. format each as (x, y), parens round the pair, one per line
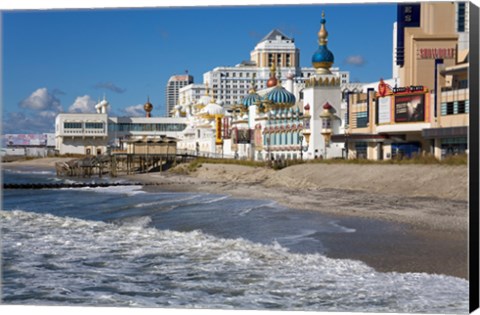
(356, 60)
(41, 99)
(83, 104)
(48, 114)
(134, 111)
(22, 123)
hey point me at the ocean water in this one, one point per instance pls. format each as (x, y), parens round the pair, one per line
(121, 246)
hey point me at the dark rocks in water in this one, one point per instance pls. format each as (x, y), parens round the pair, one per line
(64, 185)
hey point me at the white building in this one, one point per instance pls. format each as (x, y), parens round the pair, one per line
(95, 134)
(81, 133)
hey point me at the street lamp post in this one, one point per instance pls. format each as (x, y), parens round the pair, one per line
(300, 140)
(268, 148)
(346, 144)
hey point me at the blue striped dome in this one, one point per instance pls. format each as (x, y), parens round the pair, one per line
(251, 99)
(280, 96)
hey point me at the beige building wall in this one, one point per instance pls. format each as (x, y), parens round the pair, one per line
(435, 38)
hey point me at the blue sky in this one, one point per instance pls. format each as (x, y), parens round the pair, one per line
(65, 60)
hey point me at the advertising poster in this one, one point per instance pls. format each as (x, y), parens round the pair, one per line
(384, 110)
(243, 136)
(410, 108)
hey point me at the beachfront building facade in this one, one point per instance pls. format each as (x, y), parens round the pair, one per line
(97, 133)
(81, 133)
(274, 124)
(388, 122)
(428, 114)
(203, 133)
(448, 134)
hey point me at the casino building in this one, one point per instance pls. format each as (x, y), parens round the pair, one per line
(271, 123)
(427, 111)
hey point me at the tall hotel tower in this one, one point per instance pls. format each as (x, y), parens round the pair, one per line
(229, 84)
(171, 91)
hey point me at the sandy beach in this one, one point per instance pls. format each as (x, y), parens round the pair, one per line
(427, 206)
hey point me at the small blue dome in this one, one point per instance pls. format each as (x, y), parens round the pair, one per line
(251, 99)
(279, 95)
(322, 55)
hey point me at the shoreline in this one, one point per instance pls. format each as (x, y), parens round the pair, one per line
(428, 234)
(435, 245)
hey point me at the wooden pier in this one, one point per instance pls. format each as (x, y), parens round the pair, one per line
(119, 164)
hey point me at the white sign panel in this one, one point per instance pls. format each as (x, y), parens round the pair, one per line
(384, 110)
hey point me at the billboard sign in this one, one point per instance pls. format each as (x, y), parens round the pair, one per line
(436, 53)
(384, 110)
(410, 108)
(42, 139)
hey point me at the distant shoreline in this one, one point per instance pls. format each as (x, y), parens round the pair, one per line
(427, 202)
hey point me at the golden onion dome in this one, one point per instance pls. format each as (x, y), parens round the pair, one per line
(148, 107)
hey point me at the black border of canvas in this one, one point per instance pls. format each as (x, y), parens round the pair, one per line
(473, 159)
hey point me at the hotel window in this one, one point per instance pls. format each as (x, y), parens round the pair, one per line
(463, 84)
(72, 125)
(92, 125)
(450, 108)
(461, 107)
(362, 119)
(288, 60)
(279, 59)
(461, 17)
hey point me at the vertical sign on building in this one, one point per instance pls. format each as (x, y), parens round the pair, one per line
(408, 15)
(218, 129)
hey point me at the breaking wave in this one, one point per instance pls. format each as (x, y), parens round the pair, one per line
(53, 260)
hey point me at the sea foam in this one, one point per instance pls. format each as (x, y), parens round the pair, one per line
(65, 261)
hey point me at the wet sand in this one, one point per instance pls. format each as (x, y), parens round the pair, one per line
(424, 234)
(408, 218)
